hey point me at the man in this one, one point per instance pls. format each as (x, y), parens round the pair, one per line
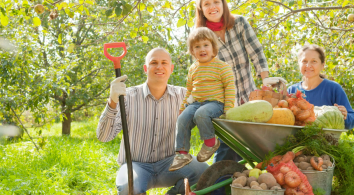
(152, 110)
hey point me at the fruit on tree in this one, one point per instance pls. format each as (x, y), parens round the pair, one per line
(39, 8)
(351, 17)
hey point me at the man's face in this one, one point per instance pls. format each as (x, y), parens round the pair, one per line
(158, 67)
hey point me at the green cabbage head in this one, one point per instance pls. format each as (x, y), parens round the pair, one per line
(329, 117)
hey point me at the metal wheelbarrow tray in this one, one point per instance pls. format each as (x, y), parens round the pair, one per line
(253, 141)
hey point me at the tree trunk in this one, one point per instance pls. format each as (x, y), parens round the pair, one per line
(66, 124)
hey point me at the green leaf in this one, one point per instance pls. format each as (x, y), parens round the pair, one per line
(150, 8)
(69, 13)
(133, 34)
(4, 20)
(291, 3)
(190, 23)
(109, 12)
(36, 21)
(276, 9)
(81, 1)
(118, 11)
(299, 2)
(141, 6)
(346, 2)
(126, 9)
(59, 39)
(145, 39)
(181, 22)
(3, 11)
(71, 48)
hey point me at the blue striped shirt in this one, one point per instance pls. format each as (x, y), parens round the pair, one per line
(151, 123)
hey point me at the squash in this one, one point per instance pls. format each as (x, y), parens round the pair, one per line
(329, 117)
(282, 116)
(259, 111)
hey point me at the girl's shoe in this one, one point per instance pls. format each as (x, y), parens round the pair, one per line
(180, 160)
(206, 152)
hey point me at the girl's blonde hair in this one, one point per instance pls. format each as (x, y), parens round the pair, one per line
(202, 33)
(200, 19)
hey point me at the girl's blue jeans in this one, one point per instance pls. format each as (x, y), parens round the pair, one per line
(197, 114)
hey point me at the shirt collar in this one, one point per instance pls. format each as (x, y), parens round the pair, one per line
(146, 90)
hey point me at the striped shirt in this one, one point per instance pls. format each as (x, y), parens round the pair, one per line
(240, 43)
(212, 81)
(151, 123)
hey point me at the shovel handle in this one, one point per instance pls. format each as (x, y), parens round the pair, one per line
(115, 60)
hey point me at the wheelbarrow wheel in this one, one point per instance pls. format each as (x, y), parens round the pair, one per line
(221, 169)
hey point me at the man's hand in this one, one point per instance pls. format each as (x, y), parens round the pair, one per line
(343, 110)
(118, 88)
(273, 81)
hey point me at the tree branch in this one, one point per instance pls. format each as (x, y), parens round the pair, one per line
(280, 4)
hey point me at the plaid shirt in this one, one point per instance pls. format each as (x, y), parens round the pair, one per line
(241, 42)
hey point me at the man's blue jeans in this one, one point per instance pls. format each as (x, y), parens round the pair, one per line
(157, 175)
(200, 114)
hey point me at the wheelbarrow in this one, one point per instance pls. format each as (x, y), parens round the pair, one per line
(252, 141)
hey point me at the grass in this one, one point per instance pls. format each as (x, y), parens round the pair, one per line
(79, 164)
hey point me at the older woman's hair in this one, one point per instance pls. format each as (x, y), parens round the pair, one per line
(200, 21)
(318, 49)
(202, 33)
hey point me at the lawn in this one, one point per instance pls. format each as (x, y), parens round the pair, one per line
(79, 164)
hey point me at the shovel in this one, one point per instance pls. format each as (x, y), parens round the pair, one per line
(116, 62)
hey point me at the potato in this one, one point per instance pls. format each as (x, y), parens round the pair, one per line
(241, 180)
(325, 157)
(254, 183)
(236, 185)
(268, 179)
(263, 186)
(300, 159)
(328, 163)
(304, 165)
(275, 188)
(250, 179)
(324, 167)
(255, 187)
(297, 164)
(310, 168)
(246, 187)
(308, 158)
(236, 174)
(247, 172)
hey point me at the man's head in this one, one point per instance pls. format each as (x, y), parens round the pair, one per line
(158, 66)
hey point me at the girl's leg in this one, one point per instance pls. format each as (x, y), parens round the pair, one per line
(184, 126)
(203, 118)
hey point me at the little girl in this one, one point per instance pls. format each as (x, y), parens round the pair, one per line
(210, 93)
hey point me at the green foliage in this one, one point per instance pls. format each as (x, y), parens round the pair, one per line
(79, 164)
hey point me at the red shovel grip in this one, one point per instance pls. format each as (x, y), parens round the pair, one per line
(115, 60)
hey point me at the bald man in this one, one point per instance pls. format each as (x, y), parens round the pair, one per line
(152, 110)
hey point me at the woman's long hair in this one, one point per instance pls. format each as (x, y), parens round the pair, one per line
(200, 19)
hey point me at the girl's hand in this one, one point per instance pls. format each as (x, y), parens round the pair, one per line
(343, 110)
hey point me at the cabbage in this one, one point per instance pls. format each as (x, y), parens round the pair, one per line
(329, 117)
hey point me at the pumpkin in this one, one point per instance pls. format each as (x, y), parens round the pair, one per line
(259, 111)
(329, 117)
(282, 116)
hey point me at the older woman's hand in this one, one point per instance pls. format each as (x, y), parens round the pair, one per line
(343, 110)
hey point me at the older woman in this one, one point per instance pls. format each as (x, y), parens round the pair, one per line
(237, 43)
(318, 90)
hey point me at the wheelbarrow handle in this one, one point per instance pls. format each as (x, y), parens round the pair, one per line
(115, 60)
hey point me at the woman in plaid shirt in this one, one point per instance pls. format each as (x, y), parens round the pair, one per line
(237, 43)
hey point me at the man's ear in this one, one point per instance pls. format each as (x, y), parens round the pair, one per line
(145, 68)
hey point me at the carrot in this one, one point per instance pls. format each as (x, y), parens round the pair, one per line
(315, 165)
(288, 157)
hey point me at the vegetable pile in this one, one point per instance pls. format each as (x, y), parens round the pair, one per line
(316, 143)
(255, 179)
(288, 175)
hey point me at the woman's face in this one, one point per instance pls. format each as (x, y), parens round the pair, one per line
(212, 10)
(310, 64)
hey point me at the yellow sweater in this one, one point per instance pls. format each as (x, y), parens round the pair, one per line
(213, 81)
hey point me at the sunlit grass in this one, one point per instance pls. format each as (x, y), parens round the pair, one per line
(79, 164)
